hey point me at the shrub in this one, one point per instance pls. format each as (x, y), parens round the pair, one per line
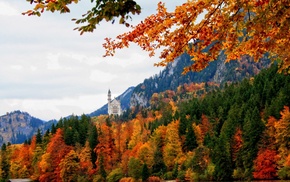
(154, 179)
(115, 175)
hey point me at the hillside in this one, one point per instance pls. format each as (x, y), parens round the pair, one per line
(17, 126)
(218, 72)
(238, 132)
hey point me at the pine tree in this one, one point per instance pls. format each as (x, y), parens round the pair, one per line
(221, 159)
(253, 128)
(145, 172)
(93, 142)
(38, 137)
(190, 138)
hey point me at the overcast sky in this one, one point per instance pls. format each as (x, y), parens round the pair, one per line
(50, 71)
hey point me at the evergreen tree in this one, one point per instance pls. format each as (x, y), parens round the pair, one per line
(93, 142)
(175, 171)
(38, 137)
(145, 172)
(182, 125)
(4, 162)
(53, 128)
(102, 170)
(222, 160)
(3, 148)
(253, 128)
(159, 167)
(69, 136)
(190, 138)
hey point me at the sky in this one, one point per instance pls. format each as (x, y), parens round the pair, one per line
(51, 71)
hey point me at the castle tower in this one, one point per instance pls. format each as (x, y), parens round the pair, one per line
(109, 96)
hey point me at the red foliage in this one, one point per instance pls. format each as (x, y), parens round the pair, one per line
(57, 150)
(154, 179)
(237, 143)
(265, 165)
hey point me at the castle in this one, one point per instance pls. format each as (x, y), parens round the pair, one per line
(114, 106)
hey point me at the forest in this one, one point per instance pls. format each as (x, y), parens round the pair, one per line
(205, 131)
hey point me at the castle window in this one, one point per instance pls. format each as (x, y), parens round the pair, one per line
(115, 109)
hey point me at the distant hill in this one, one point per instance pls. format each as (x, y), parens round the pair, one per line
(17, 126)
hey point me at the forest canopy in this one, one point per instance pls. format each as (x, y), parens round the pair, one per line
(237, 27)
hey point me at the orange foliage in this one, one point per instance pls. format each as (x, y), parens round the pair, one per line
(282, 128)
(57, 150)
(172, 149)
(198, 134)
(223, 23)
(106, 147)
(145, 154)
(287, 161)
(127, 179)
(271, 131)
(205, 125)
(237, 143)
(154, 179)
(86, 165)
(265, 165)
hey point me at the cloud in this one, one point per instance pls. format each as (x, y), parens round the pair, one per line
(7, 9)
(49, 70)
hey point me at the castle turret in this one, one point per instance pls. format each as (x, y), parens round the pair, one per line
(109, 96)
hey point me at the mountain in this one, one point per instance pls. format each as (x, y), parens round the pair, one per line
(233, 133)
(218, 71)
(125, 103)
(17, 126)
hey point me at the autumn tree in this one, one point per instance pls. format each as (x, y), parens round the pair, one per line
(56, 151)
(85, 160)
(265, 166)
(172, 150)
(106, 148)
(237, 27)
(282, 128)
(69, 167)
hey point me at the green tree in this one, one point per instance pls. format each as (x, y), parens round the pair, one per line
(115, 175)
(102, 170)
(4, 163)
(190, 138)
(222, 160)
(135, 168)
(159, 167)
(145, 172)
(38, 137)
(175, 171)
(253, 128)
(182, 125)
(93, 142)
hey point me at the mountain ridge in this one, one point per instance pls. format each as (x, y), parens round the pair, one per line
(168, 79)
(18, 126)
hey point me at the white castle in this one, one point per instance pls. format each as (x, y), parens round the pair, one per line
(114, 106)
